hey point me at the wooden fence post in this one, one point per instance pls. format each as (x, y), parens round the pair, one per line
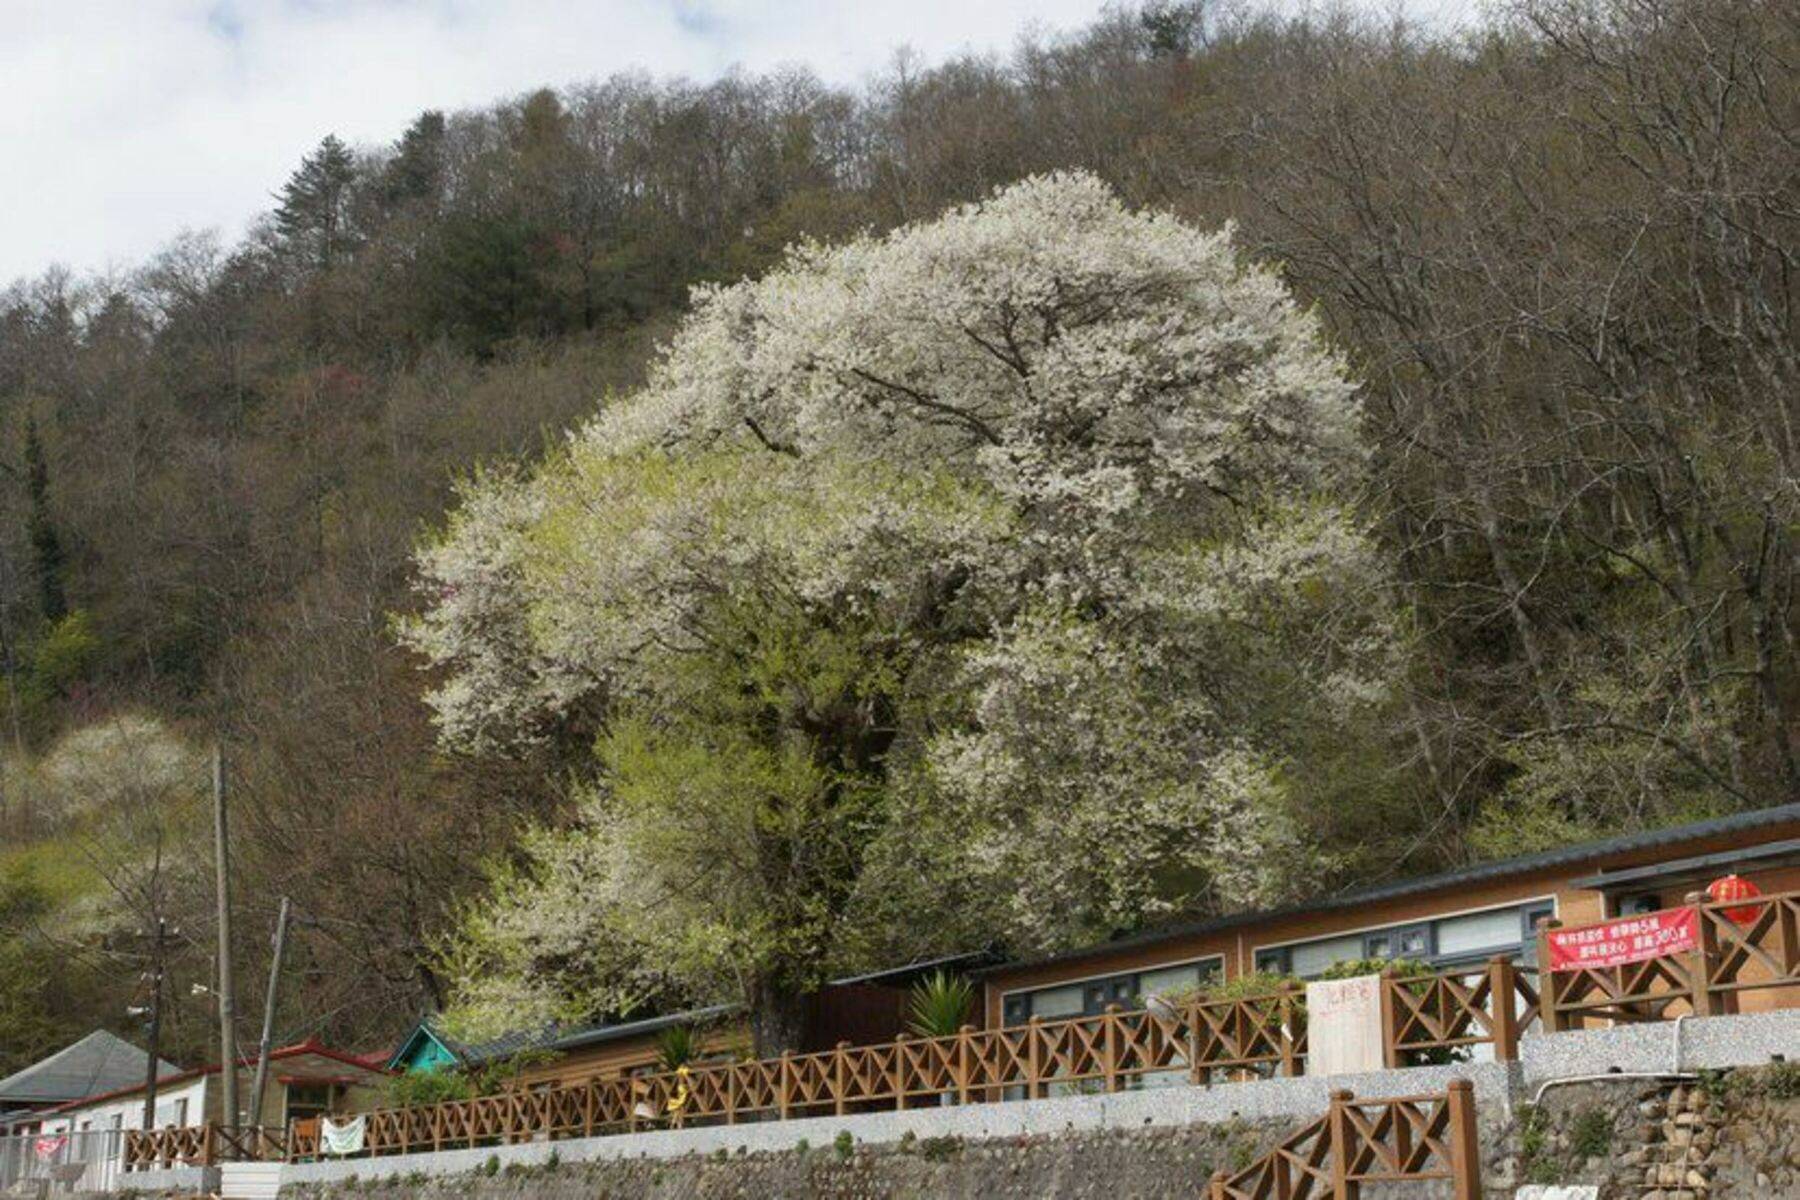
(897, 1077)
(1343, 1137)
(1390, 1032)
(1033, 1069)
(1290, 1044)
(1465, 1152)
(784, 1084)
(1216, 1190)
(964, 1052)
(1109, 1042)
(1548, 1013)
(1502, 996)
(840, 1077)
(1197, 1075)
(1707, 1003)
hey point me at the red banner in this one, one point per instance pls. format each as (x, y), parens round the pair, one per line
(1627, 940)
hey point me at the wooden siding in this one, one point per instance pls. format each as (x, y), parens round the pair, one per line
(1238, 946)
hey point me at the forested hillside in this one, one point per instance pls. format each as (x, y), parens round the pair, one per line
(1559, 253)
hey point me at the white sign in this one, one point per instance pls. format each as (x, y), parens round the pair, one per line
(1343, 1026)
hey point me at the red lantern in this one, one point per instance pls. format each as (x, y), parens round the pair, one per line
(1735, 887)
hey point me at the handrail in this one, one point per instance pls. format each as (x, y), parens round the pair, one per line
(201, 1145)
(1401, 1139)
(1425, 1018)
(1741, 946)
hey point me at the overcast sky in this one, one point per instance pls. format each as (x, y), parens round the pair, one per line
(129, 120)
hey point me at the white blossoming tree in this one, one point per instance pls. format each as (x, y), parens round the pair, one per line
(996, 578)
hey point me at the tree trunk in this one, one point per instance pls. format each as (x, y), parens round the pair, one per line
(778, 1018)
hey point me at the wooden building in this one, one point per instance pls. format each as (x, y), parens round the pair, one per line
(861, 1010)
(305, 1080)
(1448, 920)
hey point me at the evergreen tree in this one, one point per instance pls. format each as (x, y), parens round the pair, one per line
(417, 170)
(46, 544)
(314, 210)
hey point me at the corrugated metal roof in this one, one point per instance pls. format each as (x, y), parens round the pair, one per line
(571, 1037)
(597, 1034)
(99, 1062)
(1503, 868)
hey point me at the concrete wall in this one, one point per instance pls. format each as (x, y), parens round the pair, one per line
(1689, 1044)
(1285, 1102)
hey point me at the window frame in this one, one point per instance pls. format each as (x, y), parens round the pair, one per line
(1100, 990)
(1529, 908)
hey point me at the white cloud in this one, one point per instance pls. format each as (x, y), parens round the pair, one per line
(129, 120)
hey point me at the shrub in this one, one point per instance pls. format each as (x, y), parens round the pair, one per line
(939, 1149)
(677, 1047)
(1781, 1081)
(491, 1167)
(1591, 1133)
(940, 1005)
(417, 1088)
(844, 1143)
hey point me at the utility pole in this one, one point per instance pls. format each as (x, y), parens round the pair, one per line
(151, 1071)
(227, 1008)
(268, 1029)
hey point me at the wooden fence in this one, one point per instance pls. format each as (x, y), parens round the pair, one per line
(201, 1146)
(1403, 1140)
(1206, 1042)
(1743, 945)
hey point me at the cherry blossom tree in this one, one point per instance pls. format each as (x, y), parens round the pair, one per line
(999, 578)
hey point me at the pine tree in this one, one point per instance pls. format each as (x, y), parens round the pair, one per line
(417, 170)
(46, 544)
(314, 210)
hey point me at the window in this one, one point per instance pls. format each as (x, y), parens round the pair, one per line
(1478, 934)
(1407, 941)
(1092, 996)
(1444, 942)
(1315, 958)
(305, 1100)
(1273, 962)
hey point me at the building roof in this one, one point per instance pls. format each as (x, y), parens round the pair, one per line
(559, 1038)
(298, 1050)
(1486, 872)
(98, 1062)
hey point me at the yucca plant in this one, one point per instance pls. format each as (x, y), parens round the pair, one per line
(939, 1005)
(677, 1047)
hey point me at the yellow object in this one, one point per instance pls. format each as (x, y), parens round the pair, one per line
(680, 1098)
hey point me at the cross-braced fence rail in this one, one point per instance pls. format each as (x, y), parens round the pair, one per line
(201, 1146)
(1203, 1042)
(1742, 946)
(1409, 1139)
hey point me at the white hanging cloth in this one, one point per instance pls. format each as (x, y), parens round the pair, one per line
(343, 1139)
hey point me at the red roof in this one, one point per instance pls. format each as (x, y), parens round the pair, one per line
(310, 1046)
